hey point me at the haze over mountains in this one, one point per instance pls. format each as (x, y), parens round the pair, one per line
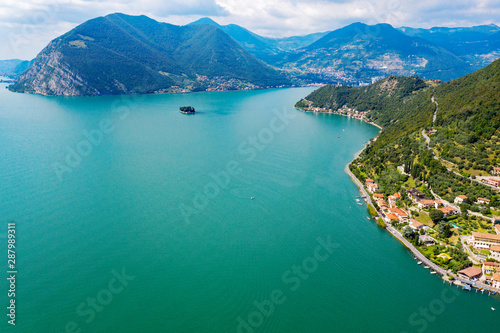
(478, 45)
(120, 54)
(12, 68)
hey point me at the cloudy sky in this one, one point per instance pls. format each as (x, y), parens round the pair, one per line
(26, 26)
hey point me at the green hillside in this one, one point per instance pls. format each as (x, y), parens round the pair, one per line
(467, 138)
(464, 144)
(384, 99)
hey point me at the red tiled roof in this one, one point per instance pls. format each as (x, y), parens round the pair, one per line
(397, 195)
(426, 202)
(485, 235)
(472, 271)
(369, 180)
(398, 211)
(461, 196)
(392, 216)
(381, 203)
(495, 248)
(378, 195)
(447, 209)
(496, 276)
(415, 223)
(490, 263)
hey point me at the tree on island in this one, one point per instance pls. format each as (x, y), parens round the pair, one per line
(186, 109)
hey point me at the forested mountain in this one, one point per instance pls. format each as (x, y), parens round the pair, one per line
(362, 52)
(264, 48)
(120, 54)
(384, 99)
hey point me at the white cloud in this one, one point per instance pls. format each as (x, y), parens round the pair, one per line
(27, 26)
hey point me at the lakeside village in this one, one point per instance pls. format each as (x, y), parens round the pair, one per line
(462, 245)
(343, 111)
(468, 256)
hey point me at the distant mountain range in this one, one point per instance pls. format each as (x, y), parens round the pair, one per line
(264, 48)
(478, 45)
(121, 54)
(359, 52)
(12, 68)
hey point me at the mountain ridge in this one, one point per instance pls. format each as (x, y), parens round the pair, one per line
(119, 54)
(356, 54)
(361, 52)
(264, 48)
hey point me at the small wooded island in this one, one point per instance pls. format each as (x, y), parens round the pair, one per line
(187, 110)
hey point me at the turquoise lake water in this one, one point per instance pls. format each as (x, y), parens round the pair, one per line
(132, 217)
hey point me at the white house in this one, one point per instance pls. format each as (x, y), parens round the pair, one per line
(460, 199)
(494, 252)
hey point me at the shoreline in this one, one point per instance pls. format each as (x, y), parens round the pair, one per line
(340, 114)
(157, 92)
(393, 231)
(444, 274)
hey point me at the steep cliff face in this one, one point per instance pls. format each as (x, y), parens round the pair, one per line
(52, 75)
(121, 54)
